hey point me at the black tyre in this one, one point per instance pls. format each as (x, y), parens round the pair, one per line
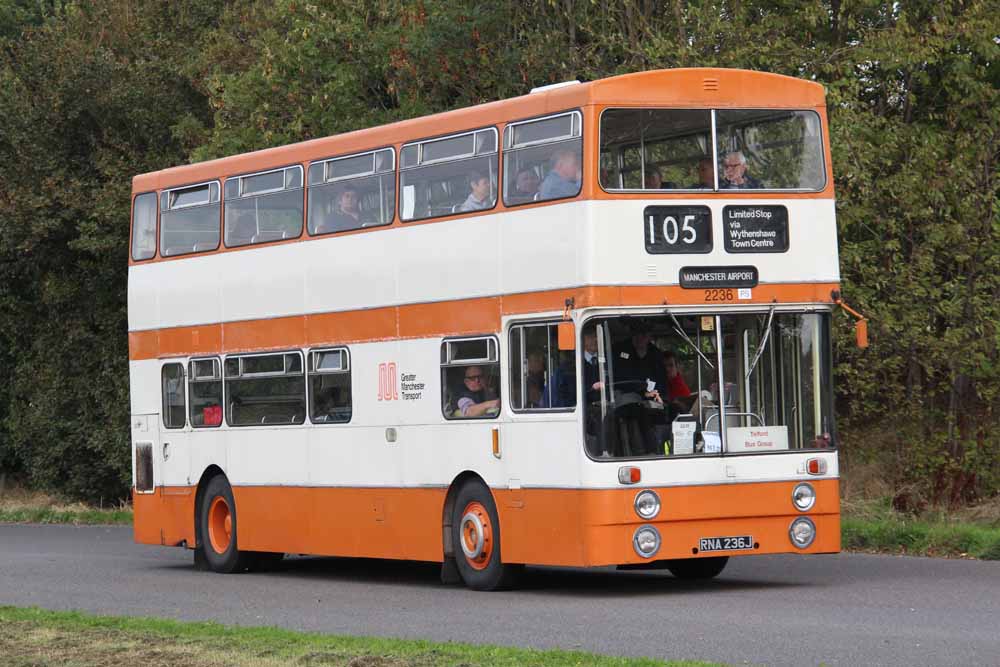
(697, 568)
(217, 527)
(475, 530)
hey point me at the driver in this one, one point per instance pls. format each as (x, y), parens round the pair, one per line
(640, 364)
(473, 400)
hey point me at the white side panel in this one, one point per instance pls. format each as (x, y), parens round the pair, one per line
(144, 387)
(527, 250)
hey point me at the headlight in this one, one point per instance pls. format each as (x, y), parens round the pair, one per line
(646, 541)
(802, 532)
(804, 497)
(647, 504)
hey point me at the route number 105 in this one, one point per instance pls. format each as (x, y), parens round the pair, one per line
(677, 229)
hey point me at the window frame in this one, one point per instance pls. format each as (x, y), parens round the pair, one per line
(347, 370)
(163, 395)
(167, 192)
(522, 324)
(325, 162)
(509, 148)
(421, 163)
(446, 361)
(216, 377)
(156, 227)
(263, 193)
(715, 152)
(260, 376)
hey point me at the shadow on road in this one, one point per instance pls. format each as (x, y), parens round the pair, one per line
(551, 581)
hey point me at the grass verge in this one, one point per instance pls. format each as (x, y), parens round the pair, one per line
(47, 638)
(875, 527)
(21, 506)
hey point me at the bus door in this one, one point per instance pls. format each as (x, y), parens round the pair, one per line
(172, 455)
(540, 444)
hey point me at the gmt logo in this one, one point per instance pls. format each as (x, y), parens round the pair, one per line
(388, 387)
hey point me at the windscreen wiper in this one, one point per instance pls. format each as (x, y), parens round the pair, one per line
(763, 343)
(679, 329)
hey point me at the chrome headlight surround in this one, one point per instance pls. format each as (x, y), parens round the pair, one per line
(802, 532)
(804, 496)
(646, 541)
(646, 504)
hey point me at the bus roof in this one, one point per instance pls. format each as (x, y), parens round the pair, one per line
(691, 87)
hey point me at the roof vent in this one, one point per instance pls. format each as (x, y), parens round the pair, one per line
(710, 84)
(553, 86)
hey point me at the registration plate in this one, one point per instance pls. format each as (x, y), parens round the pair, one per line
(732, 543)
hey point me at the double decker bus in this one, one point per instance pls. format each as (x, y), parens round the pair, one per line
(587, 326)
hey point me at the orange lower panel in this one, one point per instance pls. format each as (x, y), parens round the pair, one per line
(573, 527)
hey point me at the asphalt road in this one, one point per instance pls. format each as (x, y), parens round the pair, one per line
(776, 610)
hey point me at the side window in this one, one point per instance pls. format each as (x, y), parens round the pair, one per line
(144, 226)
(330, 386)
(264, 207)
(541, 376)
(172, 384)
(470, 378)
(205, 392)
(265, 389)
(352, 192)
(454, 174)
(189, 219)
(542, 159)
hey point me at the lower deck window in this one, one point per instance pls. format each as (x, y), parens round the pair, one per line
(470, 378)
(329, 386)
(265, 389)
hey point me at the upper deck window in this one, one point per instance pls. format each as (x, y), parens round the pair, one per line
(656, 149)
(264, 207)
(542, 158)
(144, 226)
(454, 174)
(672, 149)
(189, 219)
(352, 192)
(770, 150)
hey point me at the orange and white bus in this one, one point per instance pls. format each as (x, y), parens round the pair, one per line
(587, 326)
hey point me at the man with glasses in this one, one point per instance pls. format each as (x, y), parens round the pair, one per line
(735, 176)
(473, 400)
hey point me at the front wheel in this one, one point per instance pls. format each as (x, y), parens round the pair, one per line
(476, 539)
(218, 536)
(697, 568)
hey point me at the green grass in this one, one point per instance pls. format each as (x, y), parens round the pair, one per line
(900, 534)
(46, 638)
(75, 516)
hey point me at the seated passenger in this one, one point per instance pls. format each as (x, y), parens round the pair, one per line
(563, 179)
(706, 175)
(735, 176)
(676, 390)
(479, 198)
(525, 184)
(654, 181)
(345, 215)
(473, 400)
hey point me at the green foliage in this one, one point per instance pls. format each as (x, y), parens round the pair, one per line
(94, 93)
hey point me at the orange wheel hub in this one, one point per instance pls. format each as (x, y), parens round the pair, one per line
(220, 525)
(476, 535)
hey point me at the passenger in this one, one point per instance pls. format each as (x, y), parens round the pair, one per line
(479, 198)
(563, 179)
(734, 168)
(640, 363)
(473, 400)
(676, 389)
(592, 380)
(654, 181)
(526, 184)
(345, 215)
(706, 175)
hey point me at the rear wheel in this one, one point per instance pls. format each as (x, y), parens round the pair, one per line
(697, 568)
(476, 539)
(218, 538)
